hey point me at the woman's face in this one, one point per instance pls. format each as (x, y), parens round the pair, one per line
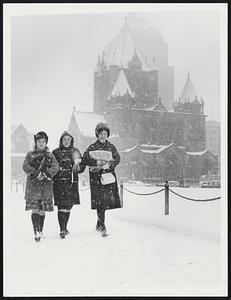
(102, 136)
(66, 141)
(41, 144)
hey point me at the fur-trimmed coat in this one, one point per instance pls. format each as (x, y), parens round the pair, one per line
(35, 189)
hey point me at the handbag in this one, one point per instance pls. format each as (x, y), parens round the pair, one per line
(107, 178)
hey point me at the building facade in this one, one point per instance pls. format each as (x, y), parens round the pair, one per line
(128, 98)
(152, 50)
(213, 139)
(165, 162)
(213, 136)
(129, 79)
(21, 142)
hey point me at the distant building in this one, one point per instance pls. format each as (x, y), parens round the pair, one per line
(21, 142)
(21, 139)
(82, 127)
(165, 162)
(127, 84)
(128, 99)
(213, 139)
(213, 136)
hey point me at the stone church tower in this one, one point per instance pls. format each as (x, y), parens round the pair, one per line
(126, 92)
(151, 49)
(118, 86)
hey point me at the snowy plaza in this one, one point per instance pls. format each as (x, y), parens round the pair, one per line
(115, 140)
(146, 252)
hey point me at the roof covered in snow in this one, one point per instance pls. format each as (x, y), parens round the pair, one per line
(155, 149)
(151, 149)
(121, 86)
(158, 150)
(188, 91)
(129, 149)
(87, 122)
(201, 153)
(121, 49)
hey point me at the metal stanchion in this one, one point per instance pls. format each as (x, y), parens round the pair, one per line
(166, 198)
(121, 193)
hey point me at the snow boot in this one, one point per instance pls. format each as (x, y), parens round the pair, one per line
(62, 235)
(67, 215)
(41, 223)
(66, 232)
(98, 227)
(37, 237)
(104, 231)
(36, 222)
(61, 219)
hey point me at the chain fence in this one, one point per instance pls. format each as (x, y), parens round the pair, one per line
(192, 199)
(142, 194)
(20, 186)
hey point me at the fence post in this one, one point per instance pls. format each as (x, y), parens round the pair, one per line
(11, 186)
(166, 198)
(17, 186)
(121, 193)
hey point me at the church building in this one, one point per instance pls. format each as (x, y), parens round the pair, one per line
(154, 141)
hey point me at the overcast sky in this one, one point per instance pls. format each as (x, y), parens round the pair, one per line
(53, 60)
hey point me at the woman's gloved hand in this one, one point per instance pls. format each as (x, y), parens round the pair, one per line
(95, 169)
(76, 167)
(106, 166)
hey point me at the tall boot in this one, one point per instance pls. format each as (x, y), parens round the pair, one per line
(98, 227)
(41, 223)
(35, 222)
(34, 219)
(61, 219)
(101, 219)
(67, 215)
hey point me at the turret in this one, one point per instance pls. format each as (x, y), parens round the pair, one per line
(135, 63)
(188, 101)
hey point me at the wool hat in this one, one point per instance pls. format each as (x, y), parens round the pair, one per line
(41, 135)
(100, 127)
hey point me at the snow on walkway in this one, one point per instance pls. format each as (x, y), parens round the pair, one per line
(146, 253)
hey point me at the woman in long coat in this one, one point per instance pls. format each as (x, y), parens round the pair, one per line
(66, 188)
(102, 157)
(40, 166)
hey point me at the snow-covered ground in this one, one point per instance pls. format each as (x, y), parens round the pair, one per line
(146, 253)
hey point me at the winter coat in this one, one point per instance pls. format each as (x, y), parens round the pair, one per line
(39, 190)
(66, 181)
(103, 196)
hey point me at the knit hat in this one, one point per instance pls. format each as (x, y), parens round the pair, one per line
(100, 127)
(41, 135)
